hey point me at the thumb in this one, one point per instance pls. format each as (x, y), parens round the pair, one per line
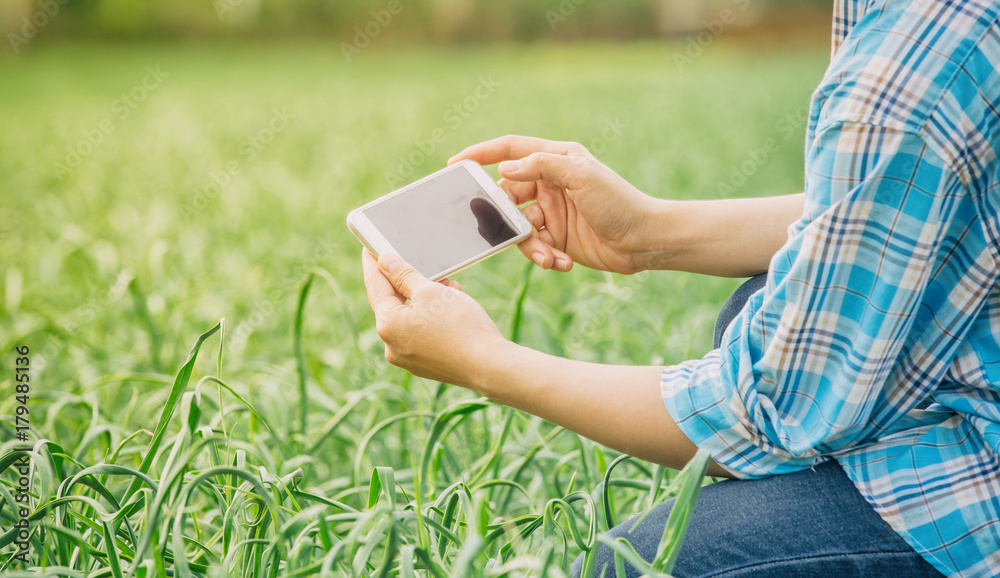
(403, 276)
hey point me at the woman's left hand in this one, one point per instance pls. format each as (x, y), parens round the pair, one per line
(441, 334)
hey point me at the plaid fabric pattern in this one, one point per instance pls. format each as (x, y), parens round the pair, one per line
(876, 341)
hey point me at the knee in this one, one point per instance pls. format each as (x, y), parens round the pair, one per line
(735, 303)
(644, 537)
(577, 568)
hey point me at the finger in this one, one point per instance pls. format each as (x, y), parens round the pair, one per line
(552, 204)
(449, 283)
(554, 169)
(560, 260)
(381, 294)
(403, 276)
(538, 251)
(535, 215)
(546, 236)
(510, 147)
(519, 192)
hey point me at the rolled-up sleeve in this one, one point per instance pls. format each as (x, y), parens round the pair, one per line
(854, 327)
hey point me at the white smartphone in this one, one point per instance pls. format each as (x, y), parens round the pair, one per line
(442, 223)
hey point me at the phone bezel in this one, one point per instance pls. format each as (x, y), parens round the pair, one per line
(377, 244)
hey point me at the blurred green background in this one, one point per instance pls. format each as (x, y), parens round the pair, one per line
(418, 20)
(165, 164)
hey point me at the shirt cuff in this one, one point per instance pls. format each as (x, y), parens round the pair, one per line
(713, 415)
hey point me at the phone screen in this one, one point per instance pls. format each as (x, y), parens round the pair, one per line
(441, 223)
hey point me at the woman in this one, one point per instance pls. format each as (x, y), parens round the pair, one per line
(858, 388)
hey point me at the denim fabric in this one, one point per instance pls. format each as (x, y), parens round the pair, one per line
(804, 524)
(734, 304)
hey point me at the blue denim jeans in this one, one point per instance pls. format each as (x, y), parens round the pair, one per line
(804, 524)
(733, 305)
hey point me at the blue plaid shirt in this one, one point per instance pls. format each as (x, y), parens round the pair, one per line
(884, 299)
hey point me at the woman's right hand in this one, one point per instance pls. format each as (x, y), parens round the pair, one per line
(585, 212)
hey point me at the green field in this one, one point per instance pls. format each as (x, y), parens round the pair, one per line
(148, 191)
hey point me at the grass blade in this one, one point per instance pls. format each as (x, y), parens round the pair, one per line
(300, 356)
(180, 384)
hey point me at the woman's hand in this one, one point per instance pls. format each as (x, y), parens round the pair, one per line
(441, 334)
(585, 211)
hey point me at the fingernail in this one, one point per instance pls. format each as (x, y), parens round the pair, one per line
(562, 264)
(510, 166)
(388, 262)
(538, 258)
